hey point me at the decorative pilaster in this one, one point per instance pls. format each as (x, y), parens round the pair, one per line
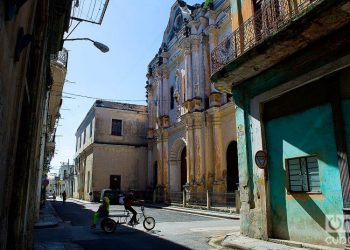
(160, 180)
(165, 161)
(219, 183)
(188, 66)
(189, 152)
(198, 152)
(165, 89)
(195, 44)
(150, 164)
(206, 65)
(151, 105)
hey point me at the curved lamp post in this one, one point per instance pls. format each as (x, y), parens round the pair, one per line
(104, 48)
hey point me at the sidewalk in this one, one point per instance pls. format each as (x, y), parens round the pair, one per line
(47, 217)
(237, 241)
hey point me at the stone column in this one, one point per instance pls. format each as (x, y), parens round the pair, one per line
(188, 67)
(160, 159)
(150, 163)
(219, 183)
(159, 88)
(189, 152)
(150, 102)
(198, 152)
(195, 42)
(209, 158)
(165, 160)
(206, 70)
(165, 91)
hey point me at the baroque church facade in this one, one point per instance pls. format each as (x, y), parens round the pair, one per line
(191, 137)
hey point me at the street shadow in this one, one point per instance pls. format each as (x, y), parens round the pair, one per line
(124, 237)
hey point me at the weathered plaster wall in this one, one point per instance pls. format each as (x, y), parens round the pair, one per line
(134, 128)
(304, 217)
(128, 161)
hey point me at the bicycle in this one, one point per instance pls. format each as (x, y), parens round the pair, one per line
(108, 224)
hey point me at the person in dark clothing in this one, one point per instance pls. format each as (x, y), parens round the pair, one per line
(64, 196)
(129, 200)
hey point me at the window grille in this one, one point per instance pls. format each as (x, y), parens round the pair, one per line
(303, 174)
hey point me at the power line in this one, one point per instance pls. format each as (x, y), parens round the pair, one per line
(103, 99)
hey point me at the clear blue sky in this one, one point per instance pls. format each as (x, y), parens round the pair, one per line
(133, 30)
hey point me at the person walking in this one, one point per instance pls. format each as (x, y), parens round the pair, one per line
(64, 196)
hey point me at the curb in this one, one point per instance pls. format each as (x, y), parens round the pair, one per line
(45, 225)
(287, 243)
(54, 218)
(209, 213)
(302, 245)
(82, 201)
(215, 241)
(184, 210)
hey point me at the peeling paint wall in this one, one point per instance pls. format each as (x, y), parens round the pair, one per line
(302, 216)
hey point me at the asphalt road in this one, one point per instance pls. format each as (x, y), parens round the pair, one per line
(173, 230)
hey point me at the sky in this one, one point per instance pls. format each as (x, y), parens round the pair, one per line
(133, 31)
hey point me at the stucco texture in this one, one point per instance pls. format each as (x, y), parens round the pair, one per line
(304, 216)
(127, 161)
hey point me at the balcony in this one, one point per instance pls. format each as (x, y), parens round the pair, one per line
(277, 30)
(61, 57)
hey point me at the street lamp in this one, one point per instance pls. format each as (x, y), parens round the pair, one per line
(104, 48)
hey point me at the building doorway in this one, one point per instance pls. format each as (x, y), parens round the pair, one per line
(114, 182)
(232, 167)
(183, 168)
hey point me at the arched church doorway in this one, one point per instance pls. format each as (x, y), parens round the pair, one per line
(178, 167)
(232, 167)
(183, 168)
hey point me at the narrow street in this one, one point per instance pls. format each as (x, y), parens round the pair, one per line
(173, 230)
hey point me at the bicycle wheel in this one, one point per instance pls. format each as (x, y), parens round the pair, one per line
(108, 225)
(149, 223)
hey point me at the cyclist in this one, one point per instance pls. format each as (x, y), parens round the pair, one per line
(129, 200)
(102, 211)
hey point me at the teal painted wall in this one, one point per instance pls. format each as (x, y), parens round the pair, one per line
(303, 217)
(346, 115)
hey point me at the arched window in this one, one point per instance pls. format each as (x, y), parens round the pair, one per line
(172, 98)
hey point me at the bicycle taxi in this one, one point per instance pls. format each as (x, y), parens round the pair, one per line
(110, 223)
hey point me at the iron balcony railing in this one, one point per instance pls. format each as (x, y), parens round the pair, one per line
(61, 57)
(271, 18)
